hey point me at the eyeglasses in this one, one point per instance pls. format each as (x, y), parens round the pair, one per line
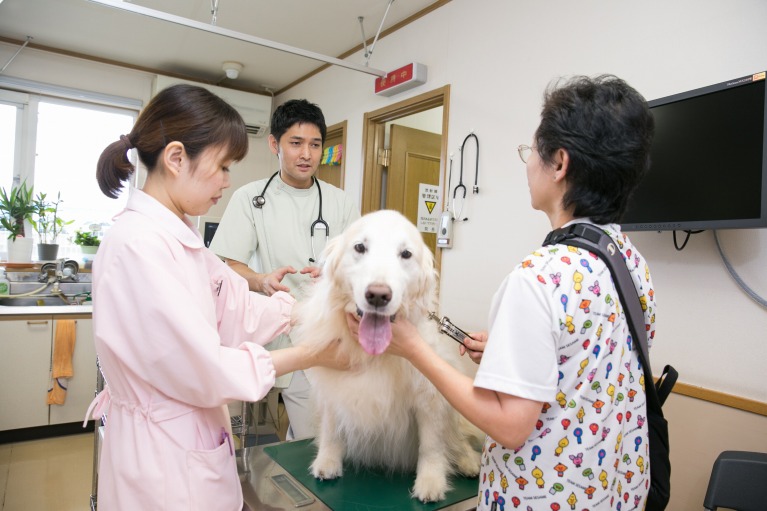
(524, 151)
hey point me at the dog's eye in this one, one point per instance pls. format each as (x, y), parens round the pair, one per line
(360, 248)
(406, 254)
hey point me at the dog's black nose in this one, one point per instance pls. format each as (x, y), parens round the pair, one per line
(378, 295)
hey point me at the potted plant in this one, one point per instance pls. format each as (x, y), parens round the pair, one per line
(88, 241)
(48, 225)
(17, 206)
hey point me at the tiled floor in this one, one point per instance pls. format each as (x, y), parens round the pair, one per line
(49, 474)
(55, 474)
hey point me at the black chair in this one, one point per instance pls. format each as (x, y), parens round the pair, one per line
(738, 481)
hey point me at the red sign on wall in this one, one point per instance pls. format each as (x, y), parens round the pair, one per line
(402, 79)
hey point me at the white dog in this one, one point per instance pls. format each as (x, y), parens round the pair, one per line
(383, 412)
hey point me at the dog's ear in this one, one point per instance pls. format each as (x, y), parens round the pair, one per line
(426, 297)
(332, 255)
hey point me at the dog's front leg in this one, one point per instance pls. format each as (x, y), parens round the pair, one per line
(328, 464)
(433, 468)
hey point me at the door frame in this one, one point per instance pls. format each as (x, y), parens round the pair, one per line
(338, 129)
(374, 131)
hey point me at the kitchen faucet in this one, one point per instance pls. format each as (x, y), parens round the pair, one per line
(59, 271)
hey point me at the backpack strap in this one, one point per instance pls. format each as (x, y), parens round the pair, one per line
(665, 383)
(594, 239)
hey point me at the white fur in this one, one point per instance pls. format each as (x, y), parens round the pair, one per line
(382, 413)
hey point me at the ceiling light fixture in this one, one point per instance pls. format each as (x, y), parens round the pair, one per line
(232, 69)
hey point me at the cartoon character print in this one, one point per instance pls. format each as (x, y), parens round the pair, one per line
(595, 428)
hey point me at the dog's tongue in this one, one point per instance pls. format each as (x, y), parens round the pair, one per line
(375, 333)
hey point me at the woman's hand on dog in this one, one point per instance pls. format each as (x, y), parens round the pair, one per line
(406, 341)
(332, 357)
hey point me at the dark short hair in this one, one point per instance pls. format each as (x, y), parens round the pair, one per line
(297, 111)
(185, 113)
(606, 128)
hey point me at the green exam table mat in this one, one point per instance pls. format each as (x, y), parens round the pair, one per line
(360, 488)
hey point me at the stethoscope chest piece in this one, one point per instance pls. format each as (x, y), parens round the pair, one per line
(260, 200)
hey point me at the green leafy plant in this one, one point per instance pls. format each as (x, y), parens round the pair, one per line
(86, 239)
(15, 207)
(48, 224)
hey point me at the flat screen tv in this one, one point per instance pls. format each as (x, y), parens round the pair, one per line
(708, 167)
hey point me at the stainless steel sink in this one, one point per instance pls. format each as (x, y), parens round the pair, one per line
(33, 301)
(68, 288)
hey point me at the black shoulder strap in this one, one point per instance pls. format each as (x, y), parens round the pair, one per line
(594, 239)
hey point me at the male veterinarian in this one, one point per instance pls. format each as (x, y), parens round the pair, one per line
(273, 230)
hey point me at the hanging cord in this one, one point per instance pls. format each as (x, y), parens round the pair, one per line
(449, 185)
(750, 292)
(686, 239)
(460, 186)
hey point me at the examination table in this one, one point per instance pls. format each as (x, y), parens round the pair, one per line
(356, 490)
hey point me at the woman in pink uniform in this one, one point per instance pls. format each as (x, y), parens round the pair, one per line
(177, 332)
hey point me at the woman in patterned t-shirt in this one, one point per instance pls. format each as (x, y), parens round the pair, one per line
(559, 391)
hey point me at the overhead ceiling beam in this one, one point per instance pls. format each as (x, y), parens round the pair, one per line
(178, 20)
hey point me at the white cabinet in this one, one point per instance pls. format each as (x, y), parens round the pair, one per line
(82, 386)
(26, 346)
(25, 358)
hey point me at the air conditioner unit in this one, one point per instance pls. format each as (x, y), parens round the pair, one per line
(255, 109)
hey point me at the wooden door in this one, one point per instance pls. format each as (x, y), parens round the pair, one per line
(334, 174)
(415, 160)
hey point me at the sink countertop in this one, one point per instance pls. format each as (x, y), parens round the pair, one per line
(48, 310)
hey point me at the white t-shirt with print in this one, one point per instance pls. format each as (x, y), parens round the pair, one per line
(558, 335)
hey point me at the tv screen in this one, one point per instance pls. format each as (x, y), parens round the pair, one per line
(708, 168)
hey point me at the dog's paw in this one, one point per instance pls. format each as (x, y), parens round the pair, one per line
(327, 468)
(430, 487)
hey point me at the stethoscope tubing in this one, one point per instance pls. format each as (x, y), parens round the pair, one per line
(259, 201)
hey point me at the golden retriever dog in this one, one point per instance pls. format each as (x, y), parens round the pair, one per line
(382, 413)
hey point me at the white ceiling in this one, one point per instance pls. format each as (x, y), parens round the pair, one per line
(326, 27)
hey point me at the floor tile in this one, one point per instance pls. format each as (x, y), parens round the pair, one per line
(50, 474)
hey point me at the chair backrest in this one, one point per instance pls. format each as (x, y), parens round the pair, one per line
(738, 481)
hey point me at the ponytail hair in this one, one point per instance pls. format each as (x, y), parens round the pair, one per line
(184, 113)
(114, 167)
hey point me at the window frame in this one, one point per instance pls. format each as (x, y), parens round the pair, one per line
(27, 95)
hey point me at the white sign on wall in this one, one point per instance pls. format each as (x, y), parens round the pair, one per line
(428, 212)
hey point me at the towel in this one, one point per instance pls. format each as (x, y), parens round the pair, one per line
(332, 155)
(61, 368)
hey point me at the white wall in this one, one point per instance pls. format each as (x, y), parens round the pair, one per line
(498, 56)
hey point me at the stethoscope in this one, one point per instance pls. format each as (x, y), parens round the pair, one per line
(260, 200)
(460, 185)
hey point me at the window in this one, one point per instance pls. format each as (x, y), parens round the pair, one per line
(70, 138)
(11, 109)
(53, 144)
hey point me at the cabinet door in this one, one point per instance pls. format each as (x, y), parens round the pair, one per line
(82, 385)
(25, 359)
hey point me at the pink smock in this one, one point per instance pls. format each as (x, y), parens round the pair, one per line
(178, 335)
